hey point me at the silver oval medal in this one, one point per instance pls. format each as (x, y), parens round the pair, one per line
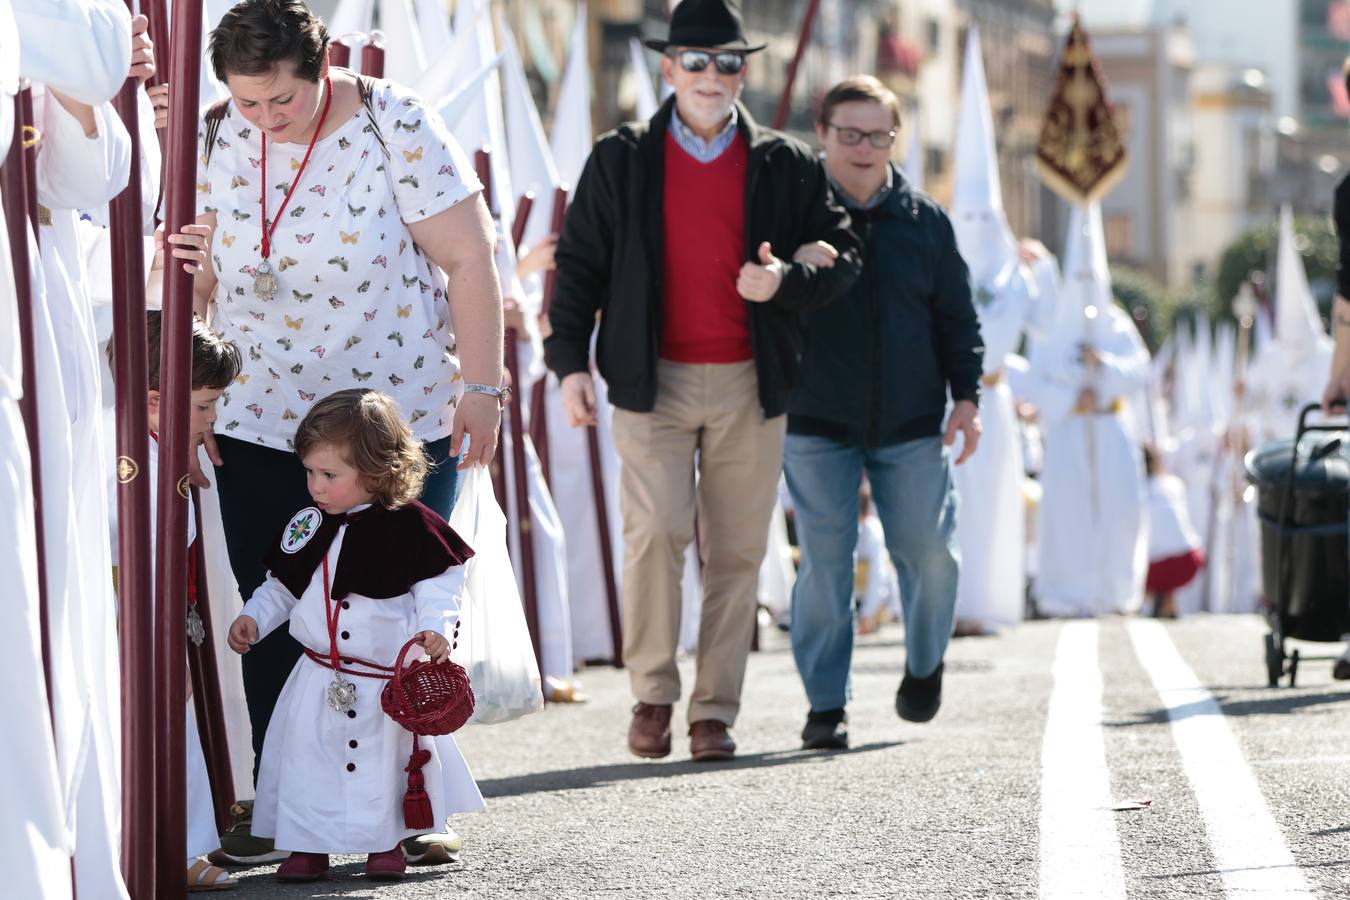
(264, 282)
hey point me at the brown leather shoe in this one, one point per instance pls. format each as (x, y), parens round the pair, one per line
(709, 740)
(649, 734)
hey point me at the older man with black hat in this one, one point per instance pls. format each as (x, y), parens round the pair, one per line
(672, 242)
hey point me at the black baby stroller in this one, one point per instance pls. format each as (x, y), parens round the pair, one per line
(1303, 499)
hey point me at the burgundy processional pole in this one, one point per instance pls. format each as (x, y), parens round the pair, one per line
(529, 584)
(135, 562)
(372, 56)
(519, 435)
(175, 446)
(538, 415)
(803, 40)
(339, 54)
(523, 209)
(206, 693)
(539, 426)
(498, 473)
(18, 179)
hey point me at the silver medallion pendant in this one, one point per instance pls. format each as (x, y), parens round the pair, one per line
(196, 631)
(264, 282)
(341, 694)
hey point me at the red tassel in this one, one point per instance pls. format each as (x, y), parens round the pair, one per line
(417, 813)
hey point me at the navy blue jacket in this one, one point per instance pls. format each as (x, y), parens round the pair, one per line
(877, 364)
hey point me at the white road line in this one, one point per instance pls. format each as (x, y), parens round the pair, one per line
(1080, 854)
(1246, 842)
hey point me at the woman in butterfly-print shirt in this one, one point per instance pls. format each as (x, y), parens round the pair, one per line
(384, 205)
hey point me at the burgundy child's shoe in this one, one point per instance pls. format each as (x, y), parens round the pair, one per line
(386, 866)
(302, 867)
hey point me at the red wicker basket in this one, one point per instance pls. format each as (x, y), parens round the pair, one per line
(426, 697)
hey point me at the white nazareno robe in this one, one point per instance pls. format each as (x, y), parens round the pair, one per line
(331, 782)
(1091, 525)
(546, 539)
(202, 836)
(83, 48)
(991, 527)
(76, 171)
(572, 485)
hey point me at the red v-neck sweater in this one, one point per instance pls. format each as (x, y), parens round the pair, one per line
(704, 318)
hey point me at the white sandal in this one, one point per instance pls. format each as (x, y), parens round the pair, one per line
(202, 876)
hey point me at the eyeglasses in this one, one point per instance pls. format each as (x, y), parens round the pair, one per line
(852, 137)
(726, 61)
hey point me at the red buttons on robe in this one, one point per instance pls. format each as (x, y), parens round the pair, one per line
(351, 714)
(352, 744)
(351, 767)
(346, 635)
(346, 604)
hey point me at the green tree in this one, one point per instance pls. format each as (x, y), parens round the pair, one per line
(1255, 251)
(1154, 308)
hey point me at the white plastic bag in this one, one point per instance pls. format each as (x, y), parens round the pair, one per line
(494, 642)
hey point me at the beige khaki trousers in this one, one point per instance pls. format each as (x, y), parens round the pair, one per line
(712, 411)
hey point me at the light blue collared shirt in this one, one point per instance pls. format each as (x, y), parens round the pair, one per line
(697, 147)
(872, 202)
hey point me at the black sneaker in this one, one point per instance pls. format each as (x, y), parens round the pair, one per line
(826, 730)
(919, 698)
(1341, 670)
(240, 847)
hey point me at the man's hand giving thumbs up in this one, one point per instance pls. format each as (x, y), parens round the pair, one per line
(759, 282)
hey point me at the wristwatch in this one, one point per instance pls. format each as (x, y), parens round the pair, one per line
(503, 394)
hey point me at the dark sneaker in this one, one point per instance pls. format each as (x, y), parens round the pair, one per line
(432, 849)
(826, 730)
(919, 698)
(1341, 670)
(238, 846)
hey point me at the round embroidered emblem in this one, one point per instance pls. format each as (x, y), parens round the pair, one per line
(300, 529)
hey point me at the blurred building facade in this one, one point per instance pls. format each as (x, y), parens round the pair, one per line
(915, 46)
(1147, 218)
(1229, 106)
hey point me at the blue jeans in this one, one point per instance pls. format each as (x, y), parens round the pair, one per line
(915, 497)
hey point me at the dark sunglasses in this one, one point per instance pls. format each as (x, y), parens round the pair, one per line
(852, 137)
(727, 61)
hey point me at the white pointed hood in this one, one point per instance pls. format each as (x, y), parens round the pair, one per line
(647, 104)
(572, 137)
(981, 226)
(433, 25)
(1298, 327)
(1085, 293)
(404, 58)
(352, 17)
(447, 72)
(914, 162)
(532, 166)
(465, 89)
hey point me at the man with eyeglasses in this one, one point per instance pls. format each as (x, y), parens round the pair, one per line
(876, 371)
(672, 240)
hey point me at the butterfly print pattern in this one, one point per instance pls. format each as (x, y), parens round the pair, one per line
(346, 243)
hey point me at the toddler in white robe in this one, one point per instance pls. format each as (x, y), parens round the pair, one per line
(358, 574)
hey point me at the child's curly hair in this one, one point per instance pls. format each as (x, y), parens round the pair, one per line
(366, 428)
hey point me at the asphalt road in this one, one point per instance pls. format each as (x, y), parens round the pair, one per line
(1235, 789)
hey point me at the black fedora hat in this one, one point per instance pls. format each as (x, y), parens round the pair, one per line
(711, 24)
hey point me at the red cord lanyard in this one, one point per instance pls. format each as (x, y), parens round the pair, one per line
(267, 230)
(330, 614)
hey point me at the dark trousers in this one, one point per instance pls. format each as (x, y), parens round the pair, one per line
(260, 489)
